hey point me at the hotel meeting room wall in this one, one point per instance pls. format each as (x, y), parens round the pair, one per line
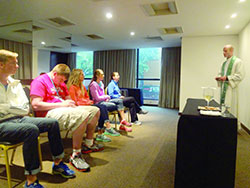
(201, 59)
(200, 62)
(44, 41)
(244, 49)
(43, 61)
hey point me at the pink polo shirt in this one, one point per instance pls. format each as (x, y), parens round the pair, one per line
(42, 86)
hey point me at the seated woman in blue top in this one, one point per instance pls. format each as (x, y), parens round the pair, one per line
(130, 102)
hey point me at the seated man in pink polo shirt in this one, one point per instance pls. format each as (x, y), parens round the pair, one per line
(50, 98)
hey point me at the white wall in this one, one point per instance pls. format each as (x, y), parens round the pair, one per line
(34, 62)
(244, 54)
(43, 63)
(201, 60)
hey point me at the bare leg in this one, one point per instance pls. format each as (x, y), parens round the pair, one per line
(121, 112)
(57, 161)
(78, 135)
(31, 179)
(124, 122)
(107, 124)
(92, 125)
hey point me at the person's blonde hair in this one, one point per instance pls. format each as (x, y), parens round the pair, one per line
(74, 79)
(62, 69)
(5, 55)
(97, 72)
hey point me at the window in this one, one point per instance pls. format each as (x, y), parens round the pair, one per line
(84, 61)
(149, 73)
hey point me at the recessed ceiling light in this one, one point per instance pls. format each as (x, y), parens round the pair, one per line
(132, 33)
(109, 15)
(43, 43)
(233, 15)
(241, 1)
(227, 26)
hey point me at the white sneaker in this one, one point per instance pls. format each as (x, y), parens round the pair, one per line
(79, 163)
(137, 123)
(143, 112)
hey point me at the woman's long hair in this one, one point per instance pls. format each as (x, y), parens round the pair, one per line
(74, 79)
(96, 73)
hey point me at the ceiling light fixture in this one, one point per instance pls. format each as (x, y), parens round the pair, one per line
(241, 1)
(172, 7)
(132, 33)
(233, 15)
(227, 26)
(109, 15)
(43, 43)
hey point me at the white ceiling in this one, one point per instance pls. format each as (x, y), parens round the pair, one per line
(196, 17)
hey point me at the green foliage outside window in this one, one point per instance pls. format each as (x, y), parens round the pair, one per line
(84, 61)
(146, 55)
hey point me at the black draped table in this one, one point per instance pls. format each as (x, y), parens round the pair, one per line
(206, 148)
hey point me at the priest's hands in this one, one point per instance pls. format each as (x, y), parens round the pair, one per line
(222, 78)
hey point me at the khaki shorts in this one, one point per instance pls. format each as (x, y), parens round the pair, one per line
(70, 118)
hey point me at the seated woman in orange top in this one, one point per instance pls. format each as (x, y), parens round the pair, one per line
(79, 94)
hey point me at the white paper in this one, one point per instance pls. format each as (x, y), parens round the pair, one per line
(210, 113)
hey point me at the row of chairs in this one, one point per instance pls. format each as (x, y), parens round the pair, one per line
(6, 146)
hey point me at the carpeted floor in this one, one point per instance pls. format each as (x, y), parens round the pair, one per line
(144, 158)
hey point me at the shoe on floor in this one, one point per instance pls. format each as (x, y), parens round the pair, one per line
(36, 184)
(124, 128)
(63, 170)
(94, 148)
(102, 138)
(124, 122)
(137, 123)
(111, 132)
(79, 163)
(143, 112)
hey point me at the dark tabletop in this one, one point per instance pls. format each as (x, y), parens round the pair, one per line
(191, 107)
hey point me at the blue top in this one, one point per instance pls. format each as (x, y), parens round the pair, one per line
(6, 87)
(113, 90)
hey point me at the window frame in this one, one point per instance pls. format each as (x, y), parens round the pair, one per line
(143, 79)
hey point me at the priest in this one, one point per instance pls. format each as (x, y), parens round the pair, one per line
(228, 79)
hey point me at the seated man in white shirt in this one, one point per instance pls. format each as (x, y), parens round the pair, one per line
(16, 127)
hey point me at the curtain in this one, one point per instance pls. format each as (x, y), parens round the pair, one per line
(71, 62)
(122, 61)
(24, 57)
(170, 78)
